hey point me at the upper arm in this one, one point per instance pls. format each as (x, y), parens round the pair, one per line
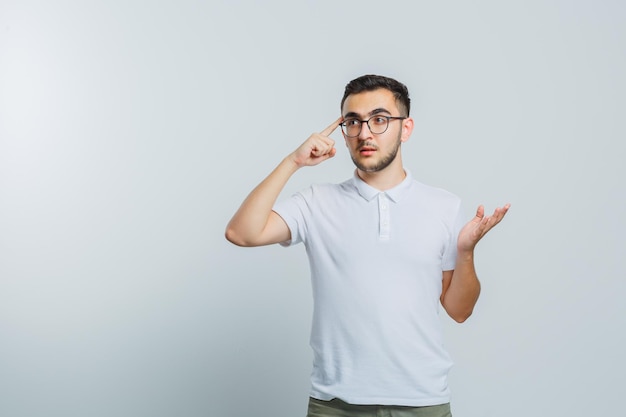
(276, 230)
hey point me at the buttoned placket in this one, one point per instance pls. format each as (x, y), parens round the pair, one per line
(384, 224)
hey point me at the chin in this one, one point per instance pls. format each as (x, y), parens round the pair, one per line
(368, 168)
(371, 165)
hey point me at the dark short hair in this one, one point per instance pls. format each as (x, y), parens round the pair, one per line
(374, 82)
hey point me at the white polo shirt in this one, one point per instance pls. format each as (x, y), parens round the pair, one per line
(376, 262)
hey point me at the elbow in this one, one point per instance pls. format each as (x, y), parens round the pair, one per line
(245, 240)
(233, 237)
(460, 316)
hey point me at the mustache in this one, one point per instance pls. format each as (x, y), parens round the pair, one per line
(367, 144)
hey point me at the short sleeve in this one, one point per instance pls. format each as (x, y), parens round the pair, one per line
(293, 211)
(449, 257)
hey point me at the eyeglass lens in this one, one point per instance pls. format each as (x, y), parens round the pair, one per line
(376, 125)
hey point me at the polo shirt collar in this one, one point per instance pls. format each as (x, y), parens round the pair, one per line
(395, 194)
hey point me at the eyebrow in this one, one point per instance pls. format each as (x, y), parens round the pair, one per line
(373, 112)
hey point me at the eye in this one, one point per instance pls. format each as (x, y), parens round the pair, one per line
(351, 122)
(379, 120)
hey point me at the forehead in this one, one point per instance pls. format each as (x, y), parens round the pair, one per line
(364, 103)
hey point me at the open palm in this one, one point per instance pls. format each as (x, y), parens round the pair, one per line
(478, 227)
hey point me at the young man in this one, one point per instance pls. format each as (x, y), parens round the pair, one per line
(384, 251)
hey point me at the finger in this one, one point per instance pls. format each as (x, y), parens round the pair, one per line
(330, 129)
(500, 212)
(324, 156)
(323, 148)
(488, 222)
(325, 143)
(480, 212)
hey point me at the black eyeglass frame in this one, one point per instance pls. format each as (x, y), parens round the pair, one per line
(389, 118)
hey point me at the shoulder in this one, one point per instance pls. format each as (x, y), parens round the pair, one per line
(323, 197)
(434, 194)
(327, 190)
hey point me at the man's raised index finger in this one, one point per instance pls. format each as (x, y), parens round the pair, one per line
(330, 129)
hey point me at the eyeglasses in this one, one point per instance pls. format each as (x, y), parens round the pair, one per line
(378, 124)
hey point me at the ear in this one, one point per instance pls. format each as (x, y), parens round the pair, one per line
(407, 129)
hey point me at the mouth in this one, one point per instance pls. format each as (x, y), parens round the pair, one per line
(367, 150)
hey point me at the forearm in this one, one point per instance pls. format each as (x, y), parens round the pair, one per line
(462, 294)
(247, 226)
(254, 224)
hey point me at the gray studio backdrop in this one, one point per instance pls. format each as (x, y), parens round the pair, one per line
(130, 131)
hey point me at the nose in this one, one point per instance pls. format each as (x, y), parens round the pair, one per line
(365, 132)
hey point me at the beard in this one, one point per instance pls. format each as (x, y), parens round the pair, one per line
(383, 163)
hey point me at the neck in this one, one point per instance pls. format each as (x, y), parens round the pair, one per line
(385, 179)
